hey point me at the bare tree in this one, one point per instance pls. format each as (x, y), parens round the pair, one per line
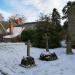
(1, 17)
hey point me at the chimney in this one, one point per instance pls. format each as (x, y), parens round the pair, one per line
(10, 27)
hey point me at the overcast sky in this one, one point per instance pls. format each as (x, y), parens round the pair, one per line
(30, 8)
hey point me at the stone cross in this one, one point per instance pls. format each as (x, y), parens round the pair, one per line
(46, 38)
(28, 47)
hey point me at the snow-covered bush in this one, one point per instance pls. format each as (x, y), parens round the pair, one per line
(47, 56)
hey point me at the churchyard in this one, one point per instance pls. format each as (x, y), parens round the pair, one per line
(46, 57)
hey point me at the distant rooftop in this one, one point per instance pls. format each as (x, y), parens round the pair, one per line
(28, 23)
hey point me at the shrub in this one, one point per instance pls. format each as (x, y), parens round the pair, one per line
(48, 57)
(27, 34)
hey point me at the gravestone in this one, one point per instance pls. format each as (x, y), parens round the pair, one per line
(46, 38)
(28, 61)
(46, 55)
(71, 24)
(28, 48)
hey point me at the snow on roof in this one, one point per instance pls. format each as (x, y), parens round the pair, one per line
(16, 31)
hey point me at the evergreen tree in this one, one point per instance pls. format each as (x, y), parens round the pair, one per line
(65, 26)
(56, 20)
(44, 25)
(66, 8)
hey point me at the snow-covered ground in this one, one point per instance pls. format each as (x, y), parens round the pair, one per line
(63, 43)
(12, 53)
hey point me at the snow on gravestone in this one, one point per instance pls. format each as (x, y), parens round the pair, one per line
(46, 55)
(28, 61)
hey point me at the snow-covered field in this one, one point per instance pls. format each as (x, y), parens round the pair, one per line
(12, 53)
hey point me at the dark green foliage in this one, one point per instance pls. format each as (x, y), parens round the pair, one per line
(42, 28)
(50, 57)
(55, 16)
(56, 20)
(66, 8)
(65, 26)
(55, 41)
(28, 35)
(37, 37)
(44, 25)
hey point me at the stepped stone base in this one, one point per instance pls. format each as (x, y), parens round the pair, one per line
(27, 61)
